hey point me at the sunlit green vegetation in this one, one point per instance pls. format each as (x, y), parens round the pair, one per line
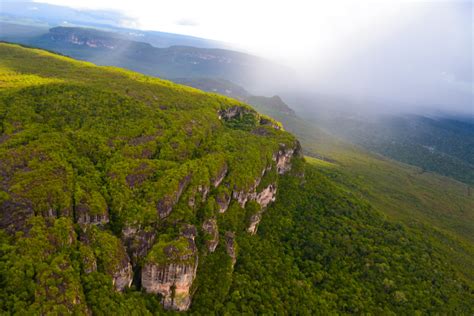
(140, 152)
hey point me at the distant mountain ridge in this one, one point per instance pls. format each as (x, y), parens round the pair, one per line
(230, 89)
(176, 61)
(48, 15)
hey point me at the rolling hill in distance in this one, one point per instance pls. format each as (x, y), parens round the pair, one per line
(221, 191)
(176, 61)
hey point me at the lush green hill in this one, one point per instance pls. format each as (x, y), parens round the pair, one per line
(439, 206)
(125, 194)
(321, 250)
(442, 144)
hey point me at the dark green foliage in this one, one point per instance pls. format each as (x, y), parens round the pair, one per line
(213, 282)
(145, 154)
(320, 250)
(80, 142)
(444, 145)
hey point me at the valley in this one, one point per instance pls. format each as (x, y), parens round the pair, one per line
(147, 169)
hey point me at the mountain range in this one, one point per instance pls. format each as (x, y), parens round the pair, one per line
(124, 193)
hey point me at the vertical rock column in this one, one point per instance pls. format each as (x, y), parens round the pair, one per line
(170, 269)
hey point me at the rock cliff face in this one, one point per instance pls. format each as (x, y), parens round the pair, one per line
(83, 216)
(142, 159)
(13, 215)
(165, 205)
(105, 251)
(283, 157)
(253, 223)
(230, 246)
(123, 277)
(138, 242)
(232, 112)
(220, 176)
(211, 234)
(170, 271)
(267, 196)
(264, 198)
(223, 201)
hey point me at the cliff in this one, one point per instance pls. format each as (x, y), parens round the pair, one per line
(170, 270)
(133, 161)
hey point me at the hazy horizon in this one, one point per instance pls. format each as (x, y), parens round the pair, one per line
(412, 54)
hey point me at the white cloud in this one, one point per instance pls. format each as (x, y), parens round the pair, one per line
(279, 28)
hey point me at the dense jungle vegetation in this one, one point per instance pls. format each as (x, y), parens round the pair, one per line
(77, 139)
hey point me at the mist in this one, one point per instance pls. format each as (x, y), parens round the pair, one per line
(373, 56)
(423, 62)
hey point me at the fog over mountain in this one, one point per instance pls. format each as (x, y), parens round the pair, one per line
(275, 157)
(421, 63)
(407, 56)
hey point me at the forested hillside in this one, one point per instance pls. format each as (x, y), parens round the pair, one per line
(440, 207)
(125, 194)
(135, 53)
(442, 144)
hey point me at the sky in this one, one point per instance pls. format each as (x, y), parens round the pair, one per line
(281, 29)
(411, 51)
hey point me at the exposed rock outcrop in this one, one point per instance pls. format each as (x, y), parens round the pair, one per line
(204, 190)
(230, 246)
(253, 223)
(111, 255)
(137, 242)
(123, 277)
(264, 198)
(14, 215)
(267, 196)
(85, 216)
(89, 262)
(232, 112)
(284, 155)
(211, 234)
(170, 270)
(165, 205)
(223, 200)
(267, 122)
(220, 176)
(242, 196)
(283, 158)
(189, 231)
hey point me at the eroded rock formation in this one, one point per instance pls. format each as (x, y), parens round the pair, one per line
(220, 176)
(123, 276)
(233, 112)
(267, 196)
(253, 222)
(211, 234)
(283, 158)
(165, 205)
(85, 216)
(138, 242)
(170, 270)
(223, 201)
(230, 246)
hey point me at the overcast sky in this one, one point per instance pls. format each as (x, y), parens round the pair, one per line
(278, 28)
(414, 51)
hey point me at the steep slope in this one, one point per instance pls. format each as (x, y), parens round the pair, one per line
(117, 172)
(320, 250)
(439, 206)
(125, 194)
